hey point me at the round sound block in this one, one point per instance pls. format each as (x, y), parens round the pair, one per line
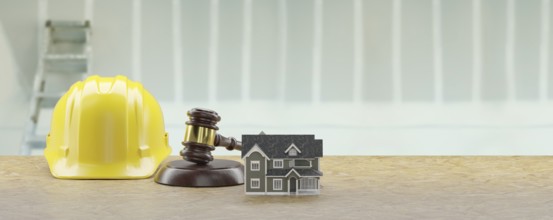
(215, 173)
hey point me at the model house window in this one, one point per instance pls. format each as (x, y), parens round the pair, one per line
(254, 165)
(278, 164)
(277, 184)
(308, 183)
(254, 183)
(293, 152)
(302, 163)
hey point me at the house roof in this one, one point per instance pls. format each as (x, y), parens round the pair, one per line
(275, 146)
(301, 172)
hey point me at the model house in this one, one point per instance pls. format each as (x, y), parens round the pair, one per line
(282, 164)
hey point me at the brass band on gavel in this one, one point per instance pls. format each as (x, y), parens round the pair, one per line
(200, 137)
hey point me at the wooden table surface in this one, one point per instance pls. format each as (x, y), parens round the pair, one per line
(353, 188)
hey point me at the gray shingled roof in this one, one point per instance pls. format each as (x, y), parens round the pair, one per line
(302, 172)
(275, 145)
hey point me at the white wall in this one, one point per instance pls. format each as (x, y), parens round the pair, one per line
(12, 99)
(303, 65)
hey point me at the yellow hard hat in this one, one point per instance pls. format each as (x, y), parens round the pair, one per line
(106, 128)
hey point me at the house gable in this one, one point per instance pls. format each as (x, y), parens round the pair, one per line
(255, 167)
(256, 148)
(292, 146)
(292, 171)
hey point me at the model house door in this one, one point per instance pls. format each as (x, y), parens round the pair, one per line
(292, 184)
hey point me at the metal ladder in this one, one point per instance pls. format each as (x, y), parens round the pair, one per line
(64, 58)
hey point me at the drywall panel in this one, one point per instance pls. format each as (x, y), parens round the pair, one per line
(377, 50)
(111, 37)
(494, 84)
(157, 48)
(299, 50)
(527, 48)
(195, 45)
(416, 51)
(229, 74)
(457, 50)
(337, 51)
(264, 50)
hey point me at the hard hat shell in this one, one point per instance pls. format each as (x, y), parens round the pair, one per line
(106, 128)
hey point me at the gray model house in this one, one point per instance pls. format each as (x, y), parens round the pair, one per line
(281, 164)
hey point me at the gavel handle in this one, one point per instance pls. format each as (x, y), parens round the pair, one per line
(228, 142)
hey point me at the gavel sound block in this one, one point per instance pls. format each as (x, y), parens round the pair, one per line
(198, 168)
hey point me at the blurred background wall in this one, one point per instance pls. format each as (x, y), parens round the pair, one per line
(377, 77)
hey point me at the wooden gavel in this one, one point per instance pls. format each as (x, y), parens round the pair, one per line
(201, 136)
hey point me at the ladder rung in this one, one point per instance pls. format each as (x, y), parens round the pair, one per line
(65, 56)
(67, 47)
(37, 138)
(65, 73)
(47, 95)
(36, 142)
(77, 24)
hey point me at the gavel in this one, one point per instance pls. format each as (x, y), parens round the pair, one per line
(201, 136)
(199, 169)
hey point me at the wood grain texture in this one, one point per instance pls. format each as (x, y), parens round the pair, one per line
(353, 188)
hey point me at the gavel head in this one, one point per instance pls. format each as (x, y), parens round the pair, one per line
(200, 135)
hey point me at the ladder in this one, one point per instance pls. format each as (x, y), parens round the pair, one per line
(64, 58)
